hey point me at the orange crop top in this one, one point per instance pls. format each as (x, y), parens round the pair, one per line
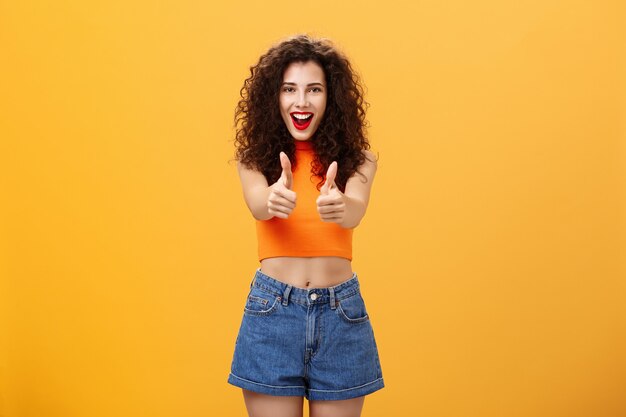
(303, 233)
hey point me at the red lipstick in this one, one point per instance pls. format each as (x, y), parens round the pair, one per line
(301, 124)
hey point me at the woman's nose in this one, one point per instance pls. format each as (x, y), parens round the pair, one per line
(302, 100)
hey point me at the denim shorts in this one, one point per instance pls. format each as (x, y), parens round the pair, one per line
(317, 343)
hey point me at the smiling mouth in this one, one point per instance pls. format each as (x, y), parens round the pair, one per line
(299, 122)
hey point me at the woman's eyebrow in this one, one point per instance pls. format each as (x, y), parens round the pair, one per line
(308, 85)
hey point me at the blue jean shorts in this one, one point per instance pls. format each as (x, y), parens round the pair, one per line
(317, 343)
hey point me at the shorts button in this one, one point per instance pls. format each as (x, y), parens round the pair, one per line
(314, 296)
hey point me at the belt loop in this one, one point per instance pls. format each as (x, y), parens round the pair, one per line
(254, 277)
(286, 294)
(332, 297)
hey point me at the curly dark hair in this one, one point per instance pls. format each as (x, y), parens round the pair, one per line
(261, 132)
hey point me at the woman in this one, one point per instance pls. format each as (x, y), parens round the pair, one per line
(306, 174)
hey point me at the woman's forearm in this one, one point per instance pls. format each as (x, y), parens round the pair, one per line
(355, 210)
(257, 203)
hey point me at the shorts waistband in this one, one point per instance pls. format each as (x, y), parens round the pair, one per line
(306, 296)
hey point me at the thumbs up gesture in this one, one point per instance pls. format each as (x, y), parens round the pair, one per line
(281, 199)
(331, 203)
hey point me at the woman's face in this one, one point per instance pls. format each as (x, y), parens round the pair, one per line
(303, 94)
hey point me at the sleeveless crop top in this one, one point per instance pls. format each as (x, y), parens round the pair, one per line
(303, 233)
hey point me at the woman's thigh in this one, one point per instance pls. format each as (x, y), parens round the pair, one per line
(263, 405)
(336, 408)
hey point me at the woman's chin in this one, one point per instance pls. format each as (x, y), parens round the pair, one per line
(296, 134)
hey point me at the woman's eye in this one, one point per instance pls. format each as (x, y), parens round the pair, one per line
(289, 89)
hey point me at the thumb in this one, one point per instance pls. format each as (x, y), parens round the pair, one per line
(286, 175)
(330, 178)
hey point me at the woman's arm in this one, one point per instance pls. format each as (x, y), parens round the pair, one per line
(267, 201)
(347, 208)
(255, 191)
(357, 191)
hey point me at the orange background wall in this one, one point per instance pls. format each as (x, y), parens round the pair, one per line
(492, 257)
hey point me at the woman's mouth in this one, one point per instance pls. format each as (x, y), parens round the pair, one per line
(301, 120)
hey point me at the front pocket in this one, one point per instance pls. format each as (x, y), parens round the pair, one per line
(260, 302)
(352, 309)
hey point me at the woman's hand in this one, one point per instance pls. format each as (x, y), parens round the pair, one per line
(281, 199)
(331, 203)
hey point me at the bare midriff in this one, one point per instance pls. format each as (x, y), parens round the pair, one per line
(308, 272)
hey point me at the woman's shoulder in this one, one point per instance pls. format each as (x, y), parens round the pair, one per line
(369, 155)
(370, 160)
(367, 168)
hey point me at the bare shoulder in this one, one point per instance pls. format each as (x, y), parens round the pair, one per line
(370, 157)
(368, 167)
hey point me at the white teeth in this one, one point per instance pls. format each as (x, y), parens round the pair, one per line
(302, 116)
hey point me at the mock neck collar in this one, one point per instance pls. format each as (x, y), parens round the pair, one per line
(304, 144)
